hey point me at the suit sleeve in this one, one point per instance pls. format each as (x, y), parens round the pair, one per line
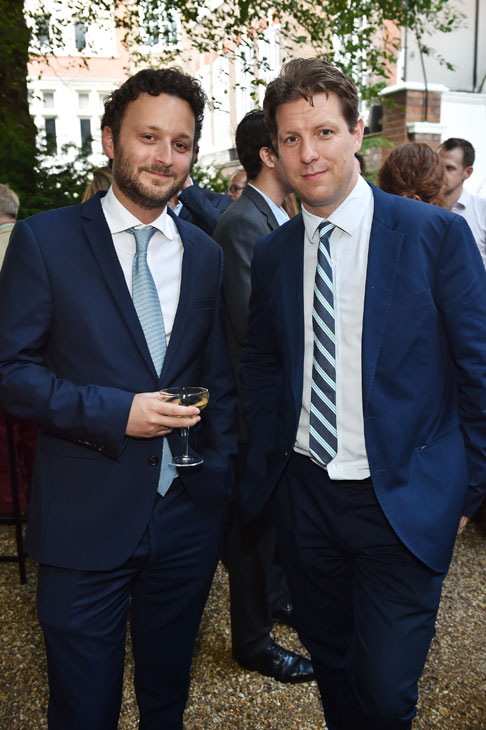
(461, 297)
(219, 421)
(205, 209)
(237, 237)
(90, 415)
(261, 365)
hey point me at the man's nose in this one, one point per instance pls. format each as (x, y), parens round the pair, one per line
(308, 151)
(164, 153)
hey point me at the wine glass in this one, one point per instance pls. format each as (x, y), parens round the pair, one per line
(186, 396)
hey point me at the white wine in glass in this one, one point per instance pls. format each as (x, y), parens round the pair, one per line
(186, 396)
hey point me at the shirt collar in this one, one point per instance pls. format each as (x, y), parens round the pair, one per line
(347, 217)
(119, 218)
(280, 214)
(463, 199)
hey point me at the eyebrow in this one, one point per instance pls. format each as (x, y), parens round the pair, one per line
(156, 128)
(321, 125)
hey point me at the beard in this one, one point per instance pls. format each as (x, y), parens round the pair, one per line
(149, 197)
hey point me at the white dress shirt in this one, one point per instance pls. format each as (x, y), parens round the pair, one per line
(164, 255)
(473, 209)
(349, 243)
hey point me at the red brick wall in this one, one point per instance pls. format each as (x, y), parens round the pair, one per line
(407, 106)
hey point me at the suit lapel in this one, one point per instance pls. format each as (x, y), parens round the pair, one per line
(383, 257)
(259, 201)
(291, 257)
(186, 295)
(101, 242)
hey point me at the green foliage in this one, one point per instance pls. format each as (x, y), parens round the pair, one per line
(357, 37)
(41, 180)
(352, 35)
(210, 178)
(370, 143)
(59, 180)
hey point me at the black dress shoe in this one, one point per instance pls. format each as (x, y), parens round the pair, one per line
(285, 615)
(279, 663)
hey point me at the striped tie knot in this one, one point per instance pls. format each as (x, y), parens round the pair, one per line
(325, 230)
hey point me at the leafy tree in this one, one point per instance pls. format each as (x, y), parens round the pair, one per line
(357, 36)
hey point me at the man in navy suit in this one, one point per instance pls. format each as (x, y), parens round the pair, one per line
(365, 377)
(200, 206)
(112, 524)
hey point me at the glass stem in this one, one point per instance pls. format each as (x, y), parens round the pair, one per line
(185, 442)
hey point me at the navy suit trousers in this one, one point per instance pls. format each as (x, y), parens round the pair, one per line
(83, 614)
(365, 607)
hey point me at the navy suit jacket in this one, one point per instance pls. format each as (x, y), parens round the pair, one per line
(423, 365)
(202, 207)
(72, 356)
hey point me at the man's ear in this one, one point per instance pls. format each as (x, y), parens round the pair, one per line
(108, 142)
(268, 157)
(468, 172)
(358, 134)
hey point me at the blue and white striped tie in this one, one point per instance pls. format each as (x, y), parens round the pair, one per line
(323, 433)
(147, 305)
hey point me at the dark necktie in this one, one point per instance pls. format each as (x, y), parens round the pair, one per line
(323, 433)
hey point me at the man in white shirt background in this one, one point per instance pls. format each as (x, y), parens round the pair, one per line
(457, 156)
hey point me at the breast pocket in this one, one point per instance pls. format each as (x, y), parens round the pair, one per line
(413, 301)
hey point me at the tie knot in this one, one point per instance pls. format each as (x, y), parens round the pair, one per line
(325, 229)
(142, 237)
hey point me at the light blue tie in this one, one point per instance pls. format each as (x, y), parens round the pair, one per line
(147, 305)
(323, 430)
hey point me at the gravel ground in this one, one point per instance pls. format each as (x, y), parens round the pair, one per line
(452, 689)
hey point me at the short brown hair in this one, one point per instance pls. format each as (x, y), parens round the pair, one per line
(304, 77)
(415, 171)
(468, 153)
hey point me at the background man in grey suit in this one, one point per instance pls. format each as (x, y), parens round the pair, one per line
(257, 583)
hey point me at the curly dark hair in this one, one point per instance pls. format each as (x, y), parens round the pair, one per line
(413, 170)
(302, 78)
(172, 81)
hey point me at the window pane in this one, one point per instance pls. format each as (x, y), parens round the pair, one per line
(83, 100)
(48, 98)
(42, 30)
(80, 35)
(85, 125)
(51, 138)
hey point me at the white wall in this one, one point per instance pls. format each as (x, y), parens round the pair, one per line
(457, 47)
(69, 108)
(464, 115)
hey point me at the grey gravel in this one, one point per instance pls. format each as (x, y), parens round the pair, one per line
(224, 696)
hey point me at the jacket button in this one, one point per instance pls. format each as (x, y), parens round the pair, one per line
(153, 460)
